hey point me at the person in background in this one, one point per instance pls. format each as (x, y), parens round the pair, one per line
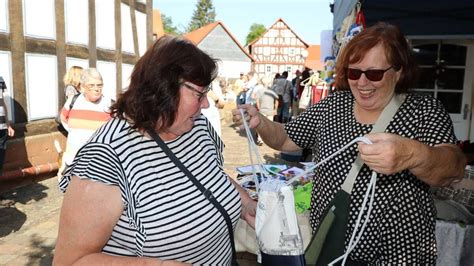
(283, 88)
(251, 88)
(240, 83)
(266, 102)
(242, 94)
(72, 81)
(266, 99)
(416, 151)
(296, 85)
(6, 129)
(126, 202)
(277, 76)
(90, 110)
(227, 93)
(216, 102)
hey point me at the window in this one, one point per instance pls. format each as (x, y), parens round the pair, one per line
(269, 69)
(39, 26)
(442, 70)
(41, 86)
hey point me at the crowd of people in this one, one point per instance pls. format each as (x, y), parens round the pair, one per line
(143, 176)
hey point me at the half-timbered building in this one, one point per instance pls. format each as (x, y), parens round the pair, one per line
(278, 49)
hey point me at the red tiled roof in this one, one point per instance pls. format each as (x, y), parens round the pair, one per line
(313, 60)
(198, 35)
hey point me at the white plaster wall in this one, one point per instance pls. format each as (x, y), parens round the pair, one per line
(108, 72)
(126, 73)
(76, 18)
(41, 86)
(127, 36)
(4, 27)
(232, 69)
(141, 31)
(105, 24)
(71, 61)
(39, 18)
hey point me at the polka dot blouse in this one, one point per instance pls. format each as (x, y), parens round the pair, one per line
(402, 223)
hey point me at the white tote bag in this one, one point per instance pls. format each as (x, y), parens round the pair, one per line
(305, 98)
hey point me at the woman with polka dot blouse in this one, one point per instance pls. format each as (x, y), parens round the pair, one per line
(416, 150)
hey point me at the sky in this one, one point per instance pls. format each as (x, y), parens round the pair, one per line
(306, 17)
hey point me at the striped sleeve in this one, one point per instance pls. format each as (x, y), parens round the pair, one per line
(95, 161)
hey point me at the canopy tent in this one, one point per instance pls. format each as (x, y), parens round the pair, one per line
(416, 18)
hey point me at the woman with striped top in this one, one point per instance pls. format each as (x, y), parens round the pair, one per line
(126, 201)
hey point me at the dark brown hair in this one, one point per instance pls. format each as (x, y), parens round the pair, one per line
(397, 51)
(153, 95)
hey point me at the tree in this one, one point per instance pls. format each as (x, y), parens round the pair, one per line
(256, 30)
(168, 25)
(203, 15)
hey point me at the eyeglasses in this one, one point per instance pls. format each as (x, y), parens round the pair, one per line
(371, 74)
(199, 94)
(90, 86)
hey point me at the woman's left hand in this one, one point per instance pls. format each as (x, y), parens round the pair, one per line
(438, 165)
(249, 210)
(389, 153)
(11, 131)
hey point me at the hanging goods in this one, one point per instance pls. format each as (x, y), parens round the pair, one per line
(305, 99)
(276, 226)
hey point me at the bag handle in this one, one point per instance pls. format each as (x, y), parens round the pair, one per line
(206, 192)
(73, 100)
(382, 122)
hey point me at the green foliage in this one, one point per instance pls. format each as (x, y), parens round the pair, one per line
(256, 30)
(203, 15)
(168, 25)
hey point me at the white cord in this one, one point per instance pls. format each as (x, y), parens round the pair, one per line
(352, 244)
(370, 188)
(311, 169)
(355, 237)
(253, 150)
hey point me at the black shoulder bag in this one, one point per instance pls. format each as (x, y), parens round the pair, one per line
(207, 193)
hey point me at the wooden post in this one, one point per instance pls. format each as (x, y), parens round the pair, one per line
(18, 60)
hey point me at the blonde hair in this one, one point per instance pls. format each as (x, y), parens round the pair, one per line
(73, 76)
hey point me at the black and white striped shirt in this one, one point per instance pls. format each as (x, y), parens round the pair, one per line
(165, 215)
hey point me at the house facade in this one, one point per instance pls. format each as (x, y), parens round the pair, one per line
(216, 40)
(39, 41)
(278, 49)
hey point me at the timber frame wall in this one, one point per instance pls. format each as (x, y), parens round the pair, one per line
(18, 44)
(278, 49)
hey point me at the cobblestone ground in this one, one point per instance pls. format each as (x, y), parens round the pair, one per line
(29, 215)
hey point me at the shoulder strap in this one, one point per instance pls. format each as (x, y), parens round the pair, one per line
(73, 100)
(207, 193)
(379, 126)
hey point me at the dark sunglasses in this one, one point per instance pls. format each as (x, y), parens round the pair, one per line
(371, 74)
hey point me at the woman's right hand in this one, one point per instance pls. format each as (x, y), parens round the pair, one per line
(251, 115)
